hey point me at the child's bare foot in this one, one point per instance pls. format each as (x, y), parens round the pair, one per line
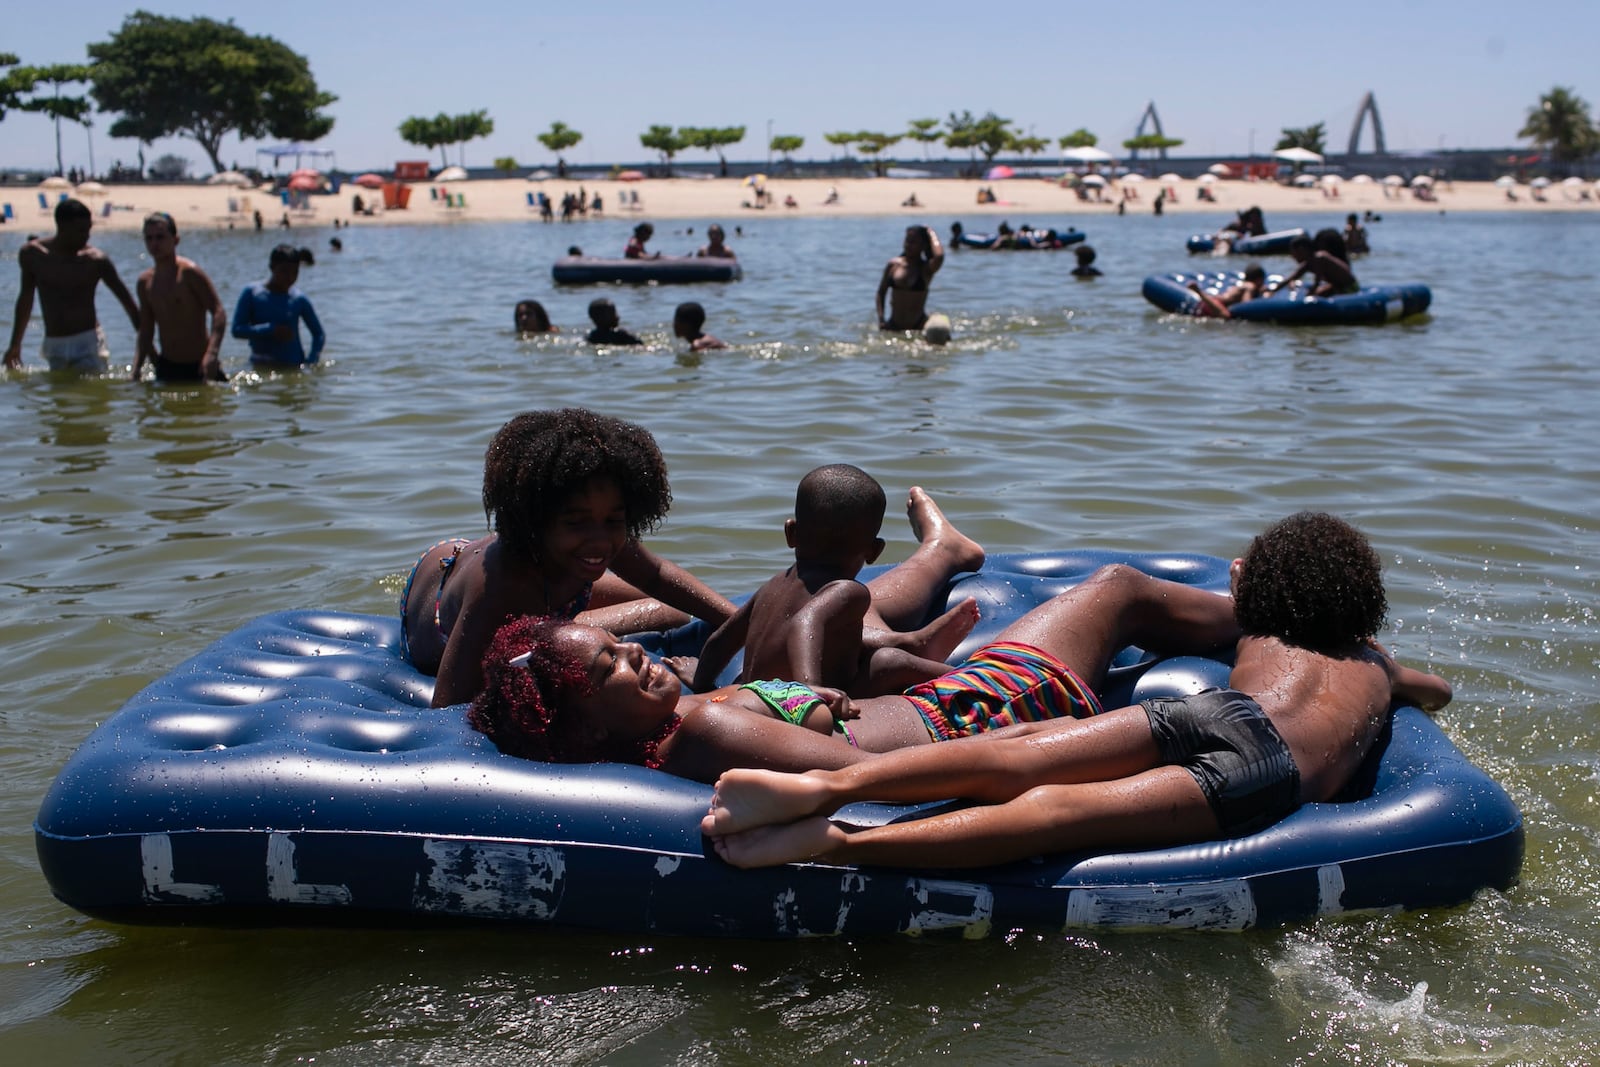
(745, 799)
(768, 846)
(941, 636)
(936, 532)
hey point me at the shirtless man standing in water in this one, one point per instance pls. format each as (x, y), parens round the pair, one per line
(175, 296)
(65, 270)
(906, 278)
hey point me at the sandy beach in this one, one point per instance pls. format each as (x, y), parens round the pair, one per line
(498, 200)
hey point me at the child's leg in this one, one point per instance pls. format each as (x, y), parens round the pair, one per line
(903, 597)
(888, 671)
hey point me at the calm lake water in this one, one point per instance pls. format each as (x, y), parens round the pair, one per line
(142, 522)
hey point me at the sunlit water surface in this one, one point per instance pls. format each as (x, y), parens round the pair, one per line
(142, 522)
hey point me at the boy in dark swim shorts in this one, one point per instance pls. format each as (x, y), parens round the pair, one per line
(1311, 692)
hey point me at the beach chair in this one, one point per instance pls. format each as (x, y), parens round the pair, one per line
(44, 203)
(105, 210)
(533, 201)
(5, 212)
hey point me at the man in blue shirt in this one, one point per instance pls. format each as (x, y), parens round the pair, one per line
(269, 313)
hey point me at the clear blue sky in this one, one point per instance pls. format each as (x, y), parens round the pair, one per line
(1458, 74)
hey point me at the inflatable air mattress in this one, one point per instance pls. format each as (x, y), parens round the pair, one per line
(1267, 244)
(1374, 305)
(668, 270)
(1033, 240)
(293, 773)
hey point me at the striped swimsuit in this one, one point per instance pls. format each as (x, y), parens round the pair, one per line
(1000, 685)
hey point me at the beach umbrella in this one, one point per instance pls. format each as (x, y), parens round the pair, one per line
(540, 175)
(305, 183)
(1221, 170)
(451, 174)
(631, 176)
(1134, 177)
(92, 189)
(368, 180)
(999, 173)
(1304, 180)
(1331, 179)
(1087, 154)
(1361, 179)
(1170, 177)
(229, 177)
(1573, 182)
(1297, 155)
(1505, 181)
(1207, 179)
(756, 181)
(1539, 183)
(305, 172)
(55, 181)
(1421, 179)
(1091, 179)
(1393, 179)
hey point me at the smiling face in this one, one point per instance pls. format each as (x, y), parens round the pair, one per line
(632, 696)
(588, 531)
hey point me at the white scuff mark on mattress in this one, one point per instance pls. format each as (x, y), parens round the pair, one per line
(1330, 889)
(283, 878)
(936, 907)
(491, 878)
(1226, 905)
(160, 885)
(666, 865)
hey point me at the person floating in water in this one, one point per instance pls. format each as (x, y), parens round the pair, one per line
(607, 329)
(531, 317)
(1085, 267)
(688, 324)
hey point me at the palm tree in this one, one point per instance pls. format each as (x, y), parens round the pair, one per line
(1561, 125)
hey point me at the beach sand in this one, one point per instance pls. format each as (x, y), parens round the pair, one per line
(728, 199)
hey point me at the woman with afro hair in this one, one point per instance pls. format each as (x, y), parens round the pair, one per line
(568, 494)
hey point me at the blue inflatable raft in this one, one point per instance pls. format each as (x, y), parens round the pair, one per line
(1029, 241)
(292, 773)
(1266, 244)
(1374, 305)
(668, 270)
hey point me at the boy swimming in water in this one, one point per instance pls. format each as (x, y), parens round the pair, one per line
(688, 324)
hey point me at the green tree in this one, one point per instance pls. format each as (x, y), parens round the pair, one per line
(992, 134)
(505, 165)
(786, 144)
(1079, 138)
(203, 79)
(1029, 146)
(1309, 137)
(1560, 124)
(428, 133)
(470, 127)
(961, 132)
(712, 139)
(873, 144)
(843, 139)
(57, 107)
(1151, 142)
(665, 140)
(13, 83)
(558, 139)
(925, 131)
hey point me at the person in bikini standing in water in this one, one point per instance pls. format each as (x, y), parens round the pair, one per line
(906, 278)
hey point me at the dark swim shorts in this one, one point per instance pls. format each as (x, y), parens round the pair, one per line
(1236, 755)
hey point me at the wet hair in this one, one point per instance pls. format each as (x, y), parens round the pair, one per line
(1255, 272)
(599, 305)
(535, 311)
(72, 210)
(539, 459)
(1085, 254)
(283, 254)
(1313, 581)
(1352, 219)
(690, 314)
(839, 508)
(1302, 243)
(518, 706)
(1331, 241)
(162, 217)
(643, 230)
(715, 231)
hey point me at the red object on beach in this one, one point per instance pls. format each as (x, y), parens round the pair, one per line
(306, 182)
(631, 176)
(368, 180)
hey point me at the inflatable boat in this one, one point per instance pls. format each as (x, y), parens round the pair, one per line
(1373, 305)
(293, 773)
(1266, 244)
(1022, 241)
(668, 270)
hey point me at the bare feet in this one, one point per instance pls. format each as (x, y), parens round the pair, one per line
(938, 534)
(749, 798)
(941, 636)
(768, 846)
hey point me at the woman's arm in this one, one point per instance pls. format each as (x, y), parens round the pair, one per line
(935, 252)
(883, 288)
(670, 584)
